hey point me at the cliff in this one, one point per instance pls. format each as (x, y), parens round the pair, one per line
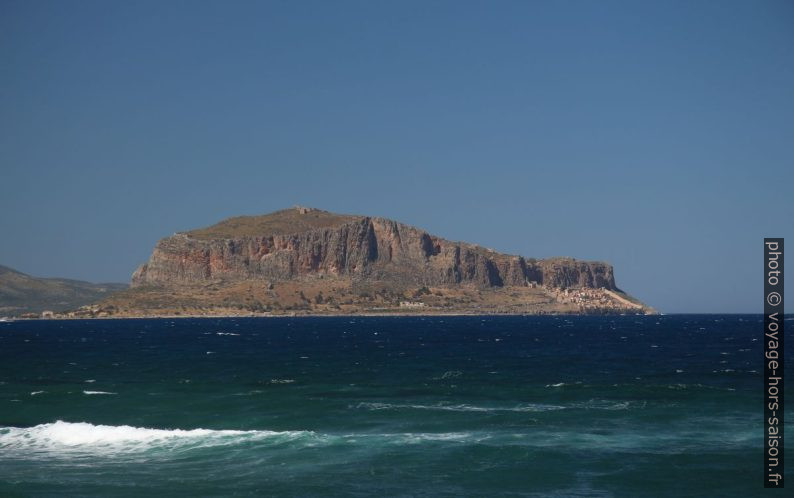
(294, 243)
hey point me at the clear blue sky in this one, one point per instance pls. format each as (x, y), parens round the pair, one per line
(656, 136)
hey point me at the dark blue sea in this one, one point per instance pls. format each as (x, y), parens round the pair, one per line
(383, 406)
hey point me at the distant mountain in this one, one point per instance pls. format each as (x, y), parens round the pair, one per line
(309, 261)
(21, 293)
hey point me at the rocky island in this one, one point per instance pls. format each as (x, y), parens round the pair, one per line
(309, 261)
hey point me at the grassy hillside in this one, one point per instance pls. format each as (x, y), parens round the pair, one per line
(282, 222)
(21, 293)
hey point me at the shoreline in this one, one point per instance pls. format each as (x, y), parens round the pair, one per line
(326, 315)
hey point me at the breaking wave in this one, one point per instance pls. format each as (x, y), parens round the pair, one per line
(60, 436)
(76, 439)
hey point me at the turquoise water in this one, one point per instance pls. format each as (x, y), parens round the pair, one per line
(432, 406)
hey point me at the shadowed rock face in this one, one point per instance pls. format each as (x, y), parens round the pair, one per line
(301, 242)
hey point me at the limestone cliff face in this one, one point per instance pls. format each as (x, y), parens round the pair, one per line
(289, 244)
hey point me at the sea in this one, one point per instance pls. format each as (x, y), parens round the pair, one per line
(546, 406)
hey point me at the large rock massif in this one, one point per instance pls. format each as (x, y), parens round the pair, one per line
(359, 247)
(304, 260)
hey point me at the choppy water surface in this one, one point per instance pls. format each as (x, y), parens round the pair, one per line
(433, 406)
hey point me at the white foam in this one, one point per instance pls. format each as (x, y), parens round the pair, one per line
(607, 405)
(409, 437)
(460, 408)
(97, 392)
(69, 437)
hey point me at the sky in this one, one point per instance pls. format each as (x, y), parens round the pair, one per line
(656, 136)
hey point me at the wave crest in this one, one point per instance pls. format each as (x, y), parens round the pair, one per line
(63, 436)
(592, 404)
(536, 407)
